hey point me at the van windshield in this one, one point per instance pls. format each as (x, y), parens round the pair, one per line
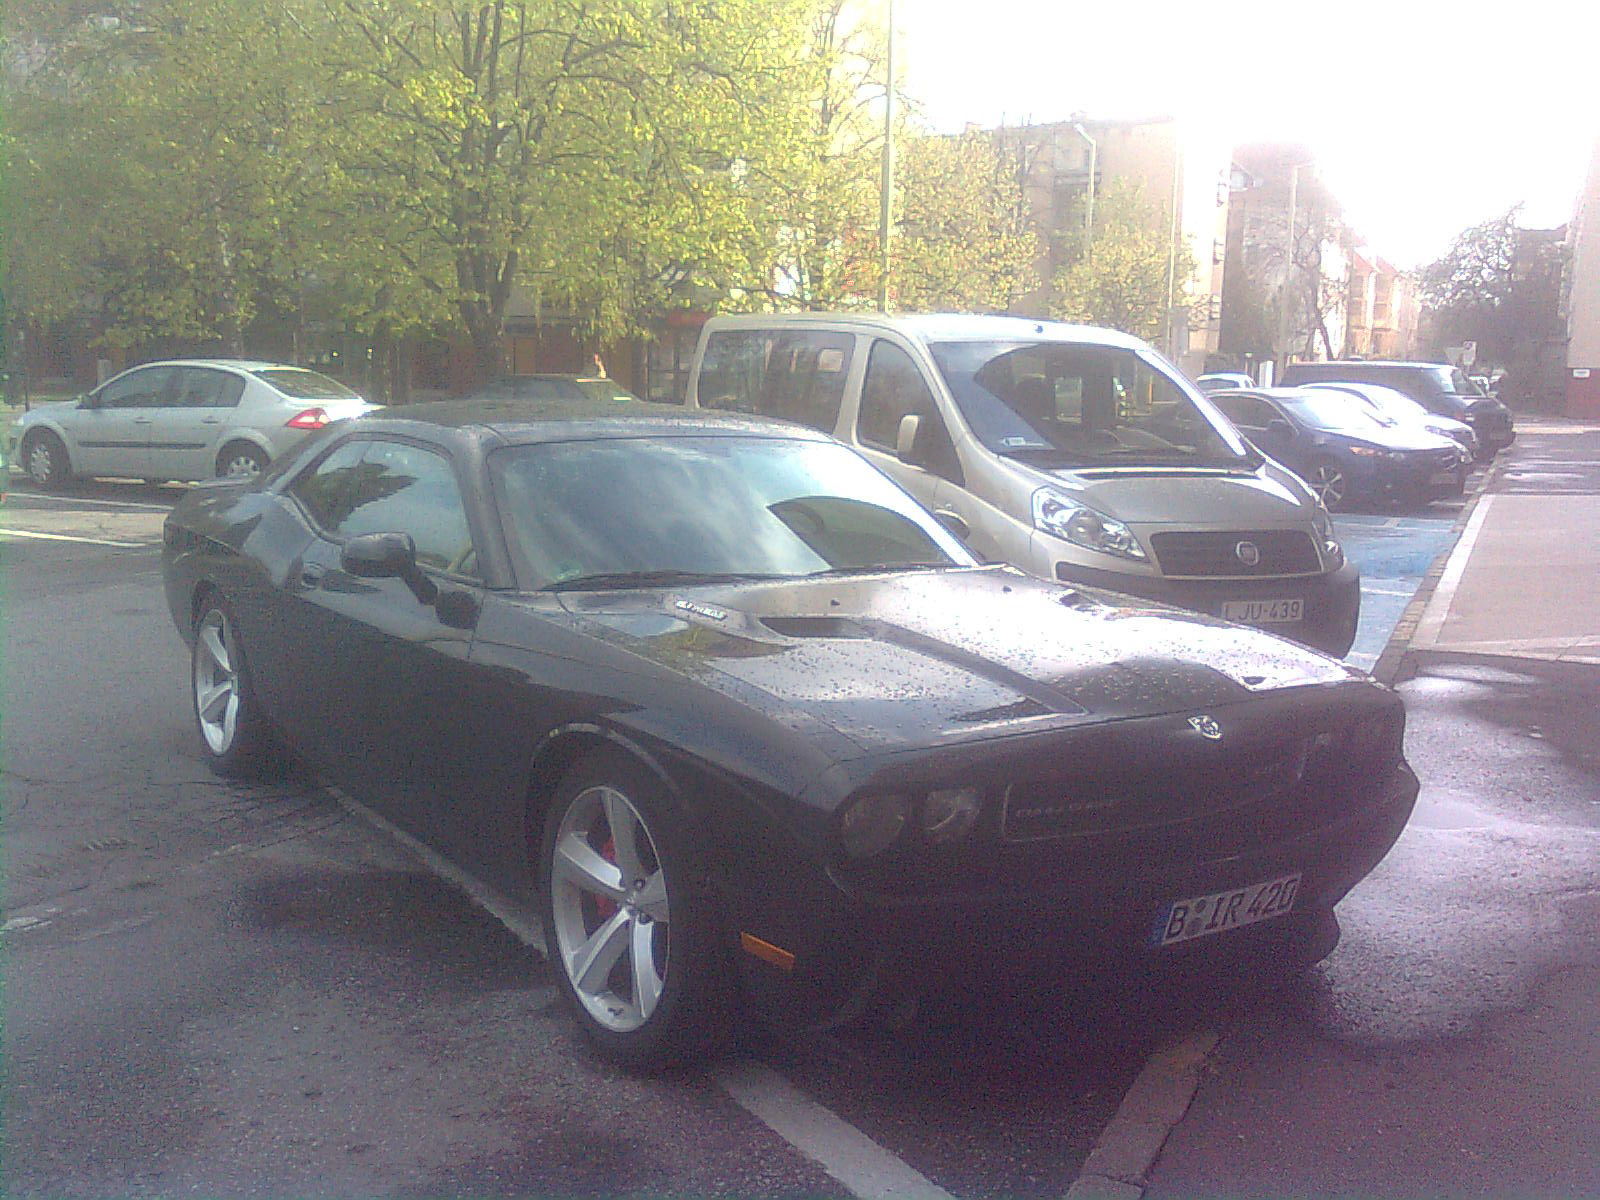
(1063, 404)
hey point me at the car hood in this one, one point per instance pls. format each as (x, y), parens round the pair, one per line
(911, 659)
(54, 409)
(1163, 495)
(1401, 437)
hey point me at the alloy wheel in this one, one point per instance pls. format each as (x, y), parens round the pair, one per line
(41, 463)
(1327, 481)
(242, 465)
(610, 908)
(216, 682)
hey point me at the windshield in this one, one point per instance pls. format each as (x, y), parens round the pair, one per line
(718, 507)
(1062, 404)
(1335, 412)
(302, 384)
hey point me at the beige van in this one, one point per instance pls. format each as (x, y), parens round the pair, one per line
(1076, 454)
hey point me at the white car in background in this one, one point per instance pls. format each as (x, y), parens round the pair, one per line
(183, 419)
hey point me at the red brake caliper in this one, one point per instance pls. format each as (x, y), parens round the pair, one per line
(604, 906)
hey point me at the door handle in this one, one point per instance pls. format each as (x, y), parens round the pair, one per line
(211, 420)
(143, 420)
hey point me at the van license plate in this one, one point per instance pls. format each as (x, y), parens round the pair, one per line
(1263, 612)
(1201, 916)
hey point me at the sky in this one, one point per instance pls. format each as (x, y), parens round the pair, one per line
(1424, 117)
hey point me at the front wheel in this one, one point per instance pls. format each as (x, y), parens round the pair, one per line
(234, 735)
(44, 458)
(1330, 484)
(631, 930)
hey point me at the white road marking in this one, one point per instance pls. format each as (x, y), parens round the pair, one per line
(1433, 617)
(34, 535)
(839, 1148)
(132, 505)
(842, 1150)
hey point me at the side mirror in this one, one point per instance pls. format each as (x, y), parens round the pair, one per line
(954, 522)
(905, 442)
(89, 400)
(388, 556)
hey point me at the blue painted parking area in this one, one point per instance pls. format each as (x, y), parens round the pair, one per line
(1393, 553)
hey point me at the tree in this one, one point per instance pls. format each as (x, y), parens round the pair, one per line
(1128, 278)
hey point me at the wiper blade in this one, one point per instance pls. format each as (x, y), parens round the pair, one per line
(879, 569)
(622, 580)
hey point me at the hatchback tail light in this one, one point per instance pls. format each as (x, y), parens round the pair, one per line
(311, 418)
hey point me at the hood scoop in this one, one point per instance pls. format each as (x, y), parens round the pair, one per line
(816, 627)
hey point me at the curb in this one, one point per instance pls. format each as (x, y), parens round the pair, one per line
(1395, 665)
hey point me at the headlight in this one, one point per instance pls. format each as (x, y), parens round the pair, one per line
(1081, 525)
(872, 823)
(1322, 523)
(949, 814)
(1367, 452)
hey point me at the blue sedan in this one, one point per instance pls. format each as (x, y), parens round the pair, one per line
(1344, 454)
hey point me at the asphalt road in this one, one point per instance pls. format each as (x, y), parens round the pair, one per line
(246, 990)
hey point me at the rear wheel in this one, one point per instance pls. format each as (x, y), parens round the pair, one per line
(234, 734)
(240, 460)
(1329, 483)
(44, 458)
(632, 935)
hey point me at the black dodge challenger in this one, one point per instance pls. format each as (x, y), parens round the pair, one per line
(734, 711)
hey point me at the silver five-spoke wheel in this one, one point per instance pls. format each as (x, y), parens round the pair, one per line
(216, 682)
(1328, 482)
(610, 908)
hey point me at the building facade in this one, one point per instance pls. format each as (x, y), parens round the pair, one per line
(1583, 300)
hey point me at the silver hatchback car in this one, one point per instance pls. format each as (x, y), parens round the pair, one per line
(185, 419)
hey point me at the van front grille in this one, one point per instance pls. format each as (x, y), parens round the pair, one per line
(1203, 554)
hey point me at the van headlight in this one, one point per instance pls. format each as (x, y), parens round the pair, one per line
(1081, 525)
(1322, 522)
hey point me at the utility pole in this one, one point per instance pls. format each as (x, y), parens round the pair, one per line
(886, 185)
(1088, 207)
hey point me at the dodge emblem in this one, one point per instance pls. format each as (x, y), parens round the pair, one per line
(1206, 727)
(1249, 553)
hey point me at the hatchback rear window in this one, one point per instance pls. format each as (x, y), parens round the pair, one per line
(301, 384)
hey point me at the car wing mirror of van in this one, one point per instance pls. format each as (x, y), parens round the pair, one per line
(905, 442)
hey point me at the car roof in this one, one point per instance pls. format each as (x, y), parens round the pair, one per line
(1343, 363)
(237, 364)
(523, 421)
(943, 327)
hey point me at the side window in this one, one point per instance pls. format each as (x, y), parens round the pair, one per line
(201, 388)
(149, 388)
(792, 375)
(410, 490)
(327, 487)
(1245, 411)
(894, 388)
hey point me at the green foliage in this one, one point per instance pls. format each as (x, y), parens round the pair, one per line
(1130, 275)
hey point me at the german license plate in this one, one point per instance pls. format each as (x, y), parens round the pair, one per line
(1442, 478)
(1202, 916)
(1263, 612)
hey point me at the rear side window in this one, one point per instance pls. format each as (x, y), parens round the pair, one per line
(200, 387)
(793, 375)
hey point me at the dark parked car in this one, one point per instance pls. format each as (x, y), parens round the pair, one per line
(1438, 387)
(552, 387)
(1392, 407)
(731, 708)
(1342, 451)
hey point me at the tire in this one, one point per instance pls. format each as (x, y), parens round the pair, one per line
(656, 972)
(235, 737)
(44, 458)
(1329, 483)
(240, 460)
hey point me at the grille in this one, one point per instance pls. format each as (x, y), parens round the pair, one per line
(1214, 553)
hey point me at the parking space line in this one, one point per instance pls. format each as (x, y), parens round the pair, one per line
(867, 1169)
(46, 498)
(839, 1148)
(33, 535)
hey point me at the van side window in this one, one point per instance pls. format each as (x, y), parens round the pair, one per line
(793, 375)
(894, 388)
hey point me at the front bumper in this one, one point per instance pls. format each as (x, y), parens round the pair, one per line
(1331, 601)
(1067, 929)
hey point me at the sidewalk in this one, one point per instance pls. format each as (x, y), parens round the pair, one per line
(1451, 1045)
